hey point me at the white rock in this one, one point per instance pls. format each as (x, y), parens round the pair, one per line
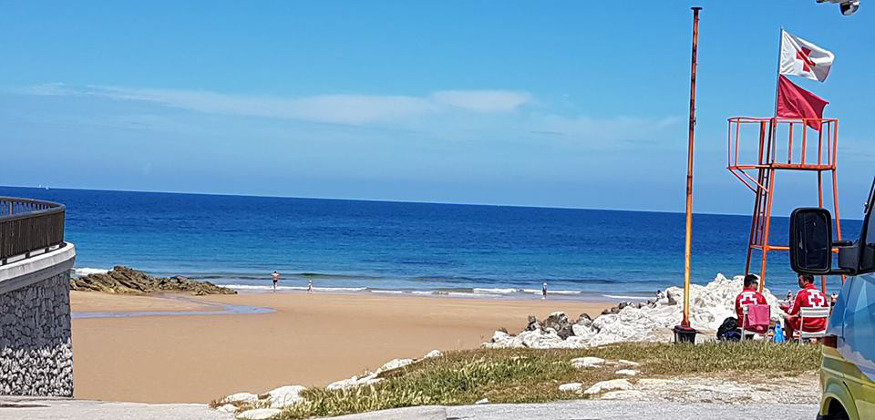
(371, 378)
(395, 364)
(259, 414)
(585, 331)
(628, 363)
(538, 339)
(342, 384)
(354, 382)
(228, 408)
(710, 305)
(483, 401)
(587, 362)
(626, 372)
(241, 397)
(500, 336)
(286, 396)
(612, 385)
(571, 387)
(433, 354)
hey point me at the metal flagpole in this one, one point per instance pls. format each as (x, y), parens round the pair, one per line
(689, 217)
(778, 72)
(773, 132)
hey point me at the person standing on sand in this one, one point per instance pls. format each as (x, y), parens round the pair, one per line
(276, 278)
(309, 285)
(544, 291)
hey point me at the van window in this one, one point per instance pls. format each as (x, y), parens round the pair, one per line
(870, 232)
(867, 259)
(859, 334)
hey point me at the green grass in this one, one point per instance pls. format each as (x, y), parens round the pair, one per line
(524, 375)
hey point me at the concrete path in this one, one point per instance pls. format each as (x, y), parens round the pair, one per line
(62, 408)
(580, 410)
(583, 409)
(39, 408)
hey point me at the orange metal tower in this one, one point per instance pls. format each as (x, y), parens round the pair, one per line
(815, 151)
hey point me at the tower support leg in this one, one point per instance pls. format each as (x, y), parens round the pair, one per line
(835, 206)
(767, 222)
(755, 221)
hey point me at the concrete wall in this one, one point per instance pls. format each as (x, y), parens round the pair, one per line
(36, 355)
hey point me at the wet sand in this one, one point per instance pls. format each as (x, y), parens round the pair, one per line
(310, 339)
(105, 302)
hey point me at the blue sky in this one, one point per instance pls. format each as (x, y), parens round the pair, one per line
(573, 104)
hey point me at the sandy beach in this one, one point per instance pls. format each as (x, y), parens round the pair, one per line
(310, 339)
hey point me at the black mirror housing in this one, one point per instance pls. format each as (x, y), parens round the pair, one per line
(811, 241)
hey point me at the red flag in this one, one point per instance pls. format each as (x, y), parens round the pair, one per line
(795, 102)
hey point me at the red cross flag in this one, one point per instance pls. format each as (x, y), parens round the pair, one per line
(802, 58)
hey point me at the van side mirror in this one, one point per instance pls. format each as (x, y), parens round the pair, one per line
(811, 241)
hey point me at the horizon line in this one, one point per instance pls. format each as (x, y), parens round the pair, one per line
(374, 200)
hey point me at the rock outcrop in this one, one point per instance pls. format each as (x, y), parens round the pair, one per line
(125, 280)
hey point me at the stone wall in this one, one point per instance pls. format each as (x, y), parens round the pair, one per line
(36, 355)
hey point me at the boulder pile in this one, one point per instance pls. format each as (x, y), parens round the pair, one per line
(126, 280)
(648, 321)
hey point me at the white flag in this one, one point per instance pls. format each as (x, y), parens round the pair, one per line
(802, 58)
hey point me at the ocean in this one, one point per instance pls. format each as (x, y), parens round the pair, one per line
(397, 247)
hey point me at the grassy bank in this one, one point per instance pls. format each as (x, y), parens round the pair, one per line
(523, 375)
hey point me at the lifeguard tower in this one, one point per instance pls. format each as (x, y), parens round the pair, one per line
(783, 144)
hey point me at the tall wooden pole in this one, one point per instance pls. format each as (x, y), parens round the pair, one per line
(689, 219)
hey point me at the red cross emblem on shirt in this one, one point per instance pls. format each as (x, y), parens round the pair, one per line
(802, 54)
(816, 299)
(747, 299)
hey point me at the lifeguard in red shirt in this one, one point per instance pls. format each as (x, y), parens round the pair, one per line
(750, 295)
(808, 297)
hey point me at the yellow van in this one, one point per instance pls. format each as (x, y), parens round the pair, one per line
(849, 353)
(848, 368)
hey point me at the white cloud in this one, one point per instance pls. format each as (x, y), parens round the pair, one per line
(336, 108)
(483, 100)
(495, 117)
(625, 128)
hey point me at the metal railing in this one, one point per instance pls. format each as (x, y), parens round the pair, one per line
(28, 226)
(814, 149)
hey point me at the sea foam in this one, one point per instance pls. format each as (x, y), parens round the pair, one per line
(85, 271)
(297, 288)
